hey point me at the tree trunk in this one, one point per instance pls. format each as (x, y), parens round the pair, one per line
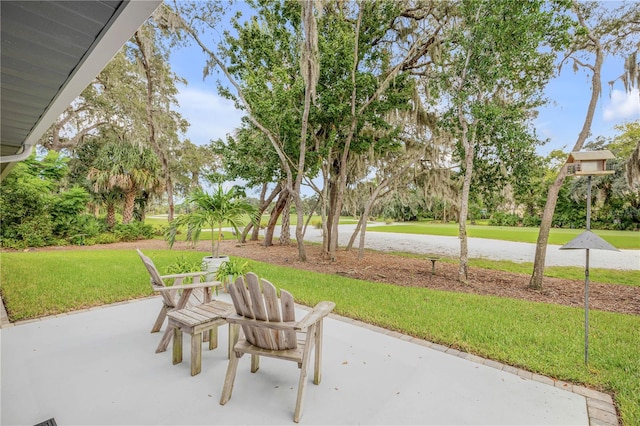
(310, 69)
(151, 125)
(469, 152)
(633, 167)
(327, 223)
(363, 230)
(353, 237)
(306, 223)
(129, 204)
(444, 212)
(545, 227)
(337, 192)
(285, 229)
(111, 216)
(264, 203)
(273, 219)
(552, 196)
(324, 213)
(169, 188)
(300, 228)
(362, 223)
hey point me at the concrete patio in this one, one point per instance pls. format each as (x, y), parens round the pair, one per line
(98, 367)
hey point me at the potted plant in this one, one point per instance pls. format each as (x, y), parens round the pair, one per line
(230, 270)
(212, 211)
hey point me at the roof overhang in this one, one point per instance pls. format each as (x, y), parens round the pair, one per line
(51, 51)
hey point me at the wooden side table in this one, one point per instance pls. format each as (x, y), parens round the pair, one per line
(195, 321)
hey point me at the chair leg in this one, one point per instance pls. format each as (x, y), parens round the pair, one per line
(255, 363)
(164, 342)
(234, 333)
(161, 316)
(297, 414)
(317, 370)
(232, 368)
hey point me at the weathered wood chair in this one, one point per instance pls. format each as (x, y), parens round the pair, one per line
(175, 294)
(270, 329)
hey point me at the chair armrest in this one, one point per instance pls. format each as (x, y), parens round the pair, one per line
(320, 311)
(186, 286)
(239, 319)
(185, 275)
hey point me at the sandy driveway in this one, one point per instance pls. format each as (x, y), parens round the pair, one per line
(485, 248)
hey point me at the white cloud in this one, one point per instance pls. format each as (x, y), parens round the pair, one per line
(210, 116)
(622, 105)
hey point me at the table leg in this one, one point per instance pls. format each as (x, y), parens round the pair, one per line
(177, 346)
(213, 338)
(196, 353)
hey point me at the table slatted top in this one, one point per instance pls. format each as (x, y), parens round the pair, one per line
(200, 314)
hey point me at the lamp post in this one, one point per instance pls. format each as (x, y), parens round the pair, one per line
(589, 163)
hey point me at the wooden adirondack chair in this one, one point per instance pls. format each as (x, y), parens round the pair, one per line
(176, 295)
(270, 329)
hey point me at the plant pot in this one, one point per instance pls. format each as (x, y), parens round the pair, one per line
(211, 265)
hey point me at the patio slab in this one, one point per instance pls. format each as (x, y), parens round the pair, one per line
(99, 367)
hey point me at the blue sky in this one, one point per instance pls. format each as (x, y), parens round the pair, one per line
(213, 117)
(562, 120)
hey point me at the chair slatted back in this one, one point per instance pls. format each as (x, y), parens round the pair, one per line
(257, 299)
(156, 282)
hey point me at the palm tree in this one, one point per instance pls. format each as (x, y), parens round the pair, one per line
(108, 199)
(123, 167)
(212, 211)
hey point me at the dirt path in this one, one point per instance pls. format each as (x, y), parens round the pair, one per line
(404, 271)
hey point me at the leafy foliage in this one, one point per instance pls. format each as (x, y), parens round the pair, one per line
(38, 209)
(120, 167)
(133, 231)
(504, 219)
(212, 211)
(232, 269)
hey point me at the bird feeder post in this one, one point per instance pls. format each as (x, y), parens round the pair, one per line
(588, 163)
(586, 278)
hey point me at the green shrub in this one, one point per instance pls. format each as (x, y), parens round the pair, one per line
(317, 224)
(160, 230)
(36, 231)
(10, 243)
(81, 227)
(531, 221)
(388, 220)
(504, 219)
(133, 231)
(104, 238)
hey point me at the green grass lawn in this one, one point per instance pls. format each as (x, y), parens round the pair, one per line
(619, 239)
(543, 338)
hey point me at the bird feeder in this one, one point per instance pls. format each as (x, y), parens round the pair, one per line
(589, 163)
